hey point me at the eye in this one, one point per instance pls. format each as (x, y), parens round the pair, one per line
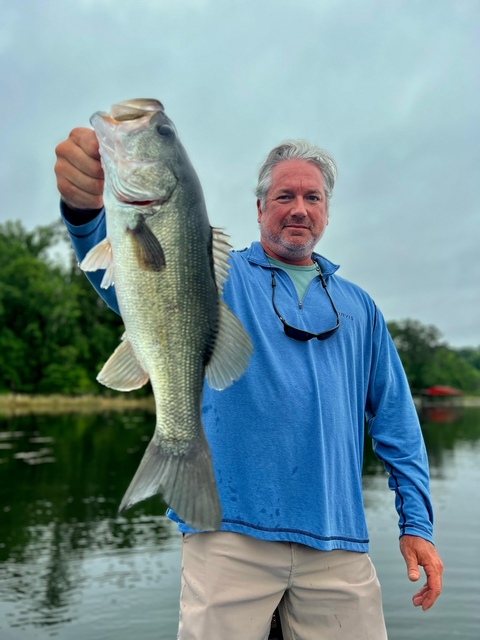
(314, 198)
(165, 131)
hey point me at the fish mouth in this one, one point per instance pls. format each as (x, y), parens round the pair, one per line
(142, 203)
(126, 180)
(137, 108)
(128, 110)
(130, 115)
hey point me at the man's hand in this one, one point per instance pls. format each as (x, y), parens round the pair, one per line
(79, 172)
(419, 552)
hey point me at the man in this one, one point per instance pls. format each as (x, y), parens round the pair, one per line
(287, 439)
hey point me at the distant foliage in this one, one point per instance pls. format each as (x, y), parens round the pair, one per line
(428, 361)
(55, 332)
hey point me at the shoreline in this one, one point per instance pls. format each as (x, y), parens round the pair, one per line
(19, 404)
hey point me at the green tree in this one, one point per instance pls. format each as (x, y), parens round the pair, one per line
(471, 355)
(416, 344)
(429, 361)
(447, 367)
(54, 330)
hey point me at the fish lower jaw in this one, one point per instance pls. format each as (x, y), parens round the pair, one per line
(147, 204)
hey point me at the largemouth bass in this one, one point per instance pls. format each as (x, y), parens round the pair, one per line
(168, 266)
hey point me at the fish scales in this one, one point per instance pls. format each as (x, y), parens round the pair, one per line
(168, 267)
(181, 323)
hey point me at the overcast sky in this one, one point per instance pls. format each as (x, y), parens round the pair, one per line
(390, 88)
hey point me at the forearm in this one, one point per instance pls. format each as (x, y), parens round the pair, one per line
(398, 441)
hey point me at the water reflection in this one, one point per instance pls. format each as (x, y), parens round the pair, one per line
(61, 481)
(441, 413)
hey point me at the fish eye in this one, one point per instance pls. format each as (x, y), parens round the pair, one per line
(165, 131)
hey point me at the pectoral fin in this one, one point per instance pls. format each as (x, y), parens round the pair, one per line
(232, 351)
(100, 257)
(148, 250)
(123, 371)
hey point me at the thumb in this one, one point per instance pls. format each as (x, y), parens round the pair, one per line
(408, 546)
(413, 570)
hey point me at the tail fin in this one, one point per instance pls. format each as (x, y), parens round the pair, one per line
(185, 480)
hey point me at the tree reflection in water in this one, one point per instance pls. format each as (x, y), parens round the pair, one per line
(61, 481)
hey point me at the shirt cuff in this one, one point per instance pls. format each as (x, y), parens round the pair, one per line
(78, 217)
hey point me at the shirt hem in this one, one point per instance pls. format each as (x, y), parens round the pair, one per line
(316, 541)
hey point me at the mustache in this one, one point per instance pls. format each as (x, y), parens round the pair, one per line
(302, 220)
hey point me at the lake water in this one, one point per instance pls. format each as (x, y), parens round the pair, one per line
(71, 569)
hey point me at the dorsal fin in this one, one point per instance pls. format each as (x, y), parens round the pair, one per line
(233, 347)
(232, 351)
(221, 251)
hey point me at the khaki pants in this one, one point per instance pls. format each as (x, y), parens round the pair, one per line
(232, 583)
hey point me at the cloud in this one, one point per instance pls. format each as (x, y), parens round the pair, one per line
(390, 89)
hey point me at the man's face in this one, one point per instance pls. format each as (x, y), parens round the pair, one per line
(295, 214)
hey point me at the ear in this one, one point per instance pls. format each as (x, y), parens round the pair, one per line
(259, 210)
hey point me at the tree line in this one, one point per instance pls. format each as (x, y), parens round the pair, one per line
(56, 332)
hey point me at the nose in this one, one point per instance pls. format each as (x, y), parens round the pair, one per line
(298, 206)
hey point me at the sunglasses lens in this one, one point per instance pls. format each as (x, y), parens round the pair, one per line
(327, 334)
(297, 334)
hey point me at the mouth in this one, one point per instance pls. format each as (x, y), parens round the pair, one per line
(142, 203)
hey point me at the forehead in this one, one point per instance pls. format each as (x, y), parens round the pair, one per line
(295, 173)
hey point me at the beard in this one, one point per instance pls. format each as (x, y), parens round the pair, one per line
(293, 247)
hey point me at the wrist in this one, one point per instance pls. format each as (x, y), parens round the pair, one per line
(76, 216)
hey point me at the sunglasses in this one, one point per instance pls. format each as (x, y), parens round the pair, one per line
(300, 334)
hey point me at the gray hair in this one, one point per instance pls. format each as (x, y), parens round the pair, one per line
(296, 150)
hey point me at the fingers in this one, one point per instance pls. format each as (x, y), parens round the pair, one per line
(419, 552)
(419, 597)
(426, 597)
(434, 571)
(79, 171)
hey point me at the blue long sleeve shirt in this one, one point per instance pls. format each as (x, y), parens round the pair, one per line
(287, 439)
